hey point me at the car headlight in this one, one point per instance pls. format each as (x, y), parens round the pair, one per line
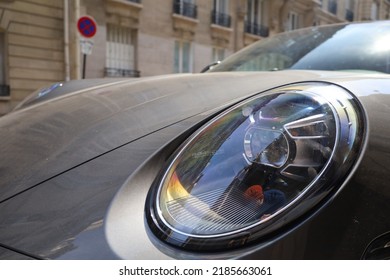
(257, 167)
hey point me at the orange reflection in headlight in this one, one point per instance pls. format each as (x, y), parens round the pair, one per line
(175, 189)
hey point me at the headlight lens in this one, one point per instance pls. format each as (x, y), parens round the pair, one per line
(271, 157)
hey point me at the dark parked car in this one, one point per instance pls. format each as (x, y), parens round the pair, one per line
(282, 151)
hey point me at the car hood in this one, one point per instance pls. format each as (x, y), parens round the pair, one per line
(55, 135)
(64, 159)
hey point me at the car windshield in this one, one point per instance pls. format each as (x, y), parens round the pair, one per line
(363, 46)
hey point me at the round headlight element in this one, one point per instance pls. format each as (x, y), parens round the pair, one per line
(257, 166)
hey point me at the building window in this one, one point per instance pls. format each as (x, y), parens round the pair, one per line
(220, 14)
(332, 6)
(292, 21)
(182, 57)
(374, 11)
(185, 8)
(256, 18)
(120, 52)
(218, 54)
(4, 88)
(349, 10)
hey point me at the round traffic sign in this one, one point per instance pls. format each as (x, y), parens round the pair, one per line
(87, 26)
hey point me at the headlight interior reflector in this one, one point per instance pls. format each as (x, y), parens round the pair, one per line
(257, 166)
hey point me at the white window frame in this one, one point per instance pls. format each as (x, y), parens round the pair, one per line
(183, 2)
(374, 11)
(180, 59)
(293, 21)
(4, 86)
(221, 6)
(218, 54)
(120, 47)
(256, 12)
(2, 59)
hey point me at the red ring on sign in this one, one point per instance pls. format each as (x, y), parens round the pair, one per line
(86, 26)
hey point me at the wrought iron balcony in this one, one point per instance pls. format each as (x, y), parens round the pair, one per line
(332, 6)
(349, 15)
(220, 19)
(4, 90)
(116, 72)
(256, 29)
(185, 9)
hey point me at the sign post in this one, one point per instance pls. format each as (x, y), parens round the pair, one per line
(87, 27)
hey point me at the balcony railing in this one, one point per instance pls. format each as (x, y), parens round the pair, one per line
(349, 15)
(4, 90)
(116, 72)
(221, 19)
(332, 6)
(256, 29)
(185, 9)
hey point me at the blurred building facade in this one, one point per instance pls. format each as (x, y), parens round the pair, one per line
(40, 44)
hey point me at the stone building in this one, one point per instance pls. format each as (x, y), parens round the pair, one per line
(40, 44)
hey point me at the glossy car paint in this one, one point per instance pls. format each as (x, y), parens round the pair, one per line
(76, 169)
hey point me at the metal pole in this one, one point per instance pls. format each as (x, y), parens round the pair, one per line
(66, 40)
(84, 64)
(75, 41)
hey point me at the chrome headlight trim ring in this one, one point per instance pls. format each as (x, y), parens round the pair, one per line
(343, 118)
